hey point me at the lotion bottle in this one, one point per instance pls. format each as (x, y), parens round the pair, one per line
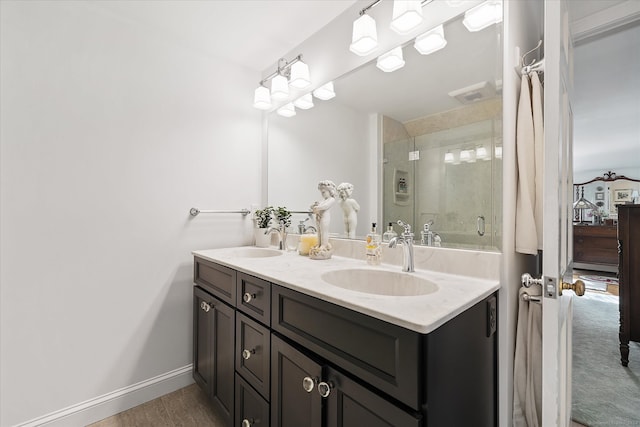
(389, 234)
(373, 249)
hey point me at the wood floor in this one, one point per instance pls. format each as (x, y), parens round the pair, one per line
(187, 407)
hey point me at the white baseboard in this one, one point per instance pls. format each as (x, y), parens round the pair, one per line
(109, 404)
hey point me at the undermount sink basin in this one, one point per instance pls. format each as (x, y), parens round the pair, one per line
(256, 253)
(380, 282)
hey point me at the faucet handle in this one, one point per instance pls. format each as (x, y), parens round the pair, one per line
(407, 227)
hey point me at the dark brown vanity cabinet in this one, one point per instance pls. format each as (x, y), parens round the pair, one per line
(213, 342)
(281, 358)
(306, 391)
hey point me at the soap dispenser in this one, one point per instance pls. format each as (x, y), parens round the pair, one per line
(373, 248)
(389, 234)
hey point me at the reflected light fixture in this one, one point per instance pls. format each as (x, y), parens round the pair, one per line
(287, 110)
(483, 15)
(364, 39)
(391, 61)
(498, 151)
(304, 102)
(407, 15)
(299, 75)
(431, 41)
(325, 92)
(448, 157)
(465, 155)
(262, 98)
(296, 69)
(481, 153)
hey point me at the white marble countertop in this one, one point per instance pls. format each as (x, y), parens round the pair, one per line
(422, 313)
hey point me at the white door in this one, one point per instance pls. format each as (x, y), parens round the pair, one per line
(557, 231)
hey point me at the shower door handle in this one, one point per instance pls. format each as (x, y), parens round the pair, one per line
(480, 225)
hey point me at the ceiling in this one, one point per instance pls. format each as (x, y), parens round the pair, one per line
(254, 33)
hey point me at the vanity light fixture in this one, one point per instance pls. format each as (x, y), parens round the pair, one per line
(431, 41)
(299, 75)
(287, 110)
(304, 102)
(483, 15)
(407, 15)
(364, 39)
(391, 61)
(262, 98)
(465, 156)
(279, 88)
(325, 92)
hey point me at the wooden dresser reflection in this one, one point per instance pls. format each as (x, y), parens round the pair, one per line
(595, 247)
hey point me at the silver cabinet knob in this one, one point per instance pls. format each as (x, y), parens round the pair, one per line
(325, 388)
(307, 384)
(247, 297)
(246, 354)
(206, 307)
(247, 423)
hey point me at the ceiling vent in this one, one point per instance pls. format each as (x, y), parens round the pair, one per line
(474, 93)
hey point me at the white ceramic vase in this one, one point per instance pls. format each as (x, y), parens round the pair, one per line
(262, 240)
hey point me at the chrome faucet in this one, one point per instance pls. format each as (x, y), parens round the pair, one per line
(282, 234)
(406, 240)
(302, 228)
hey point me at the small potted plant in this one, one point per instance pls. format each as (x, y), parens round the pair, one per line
(282, 214)
(263, 217)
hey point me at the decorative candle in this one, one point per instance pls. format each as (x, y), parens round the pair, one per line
(307, 241)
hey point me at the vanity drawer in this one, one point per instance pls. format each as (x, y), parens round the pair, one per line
(215, 278)
(384, 355)
(254, 297)
(250, 406)
(253, 352)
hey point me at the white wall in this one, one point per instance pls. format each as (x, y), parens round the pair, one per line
(110, 132)
(522, 30)
(329, 141)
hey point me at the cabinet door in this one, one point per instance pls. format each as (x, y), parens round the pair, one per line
(213, 352)
(350, 404)
(291, 404)
(251, 409)
(253, 352)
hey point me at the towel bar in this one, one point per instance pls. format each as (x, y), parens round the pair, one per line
(529, 298)
(196, 211)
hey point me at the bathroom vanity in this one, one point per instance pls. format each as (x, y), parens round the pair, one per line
(276, 343)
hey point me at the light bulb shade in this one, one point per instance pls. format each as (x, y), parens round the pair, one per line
(279, 88)
(481, 153)
(365, 37)
(448, 157)
(391, 60)
(431, 41)
(300, 75)
(304, 102)
(325, 92)
(407, 15)
(498, 151)
(262, 98)
(465, 155)
(287, 110)
(483, 15)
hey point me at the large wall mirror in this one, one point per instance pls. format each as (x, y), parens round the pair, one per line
(433, 130)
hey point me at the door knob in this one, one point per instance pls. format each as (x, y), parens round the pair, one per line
(247, 297)
(577, 287)
(247, 422)
(246, 354)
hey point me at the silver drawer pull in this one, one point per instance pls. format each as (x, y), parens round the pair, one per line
(247, 423)
(307, 384)
(247, 297)
(246, 354)
(206, 307)
(325, 388)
